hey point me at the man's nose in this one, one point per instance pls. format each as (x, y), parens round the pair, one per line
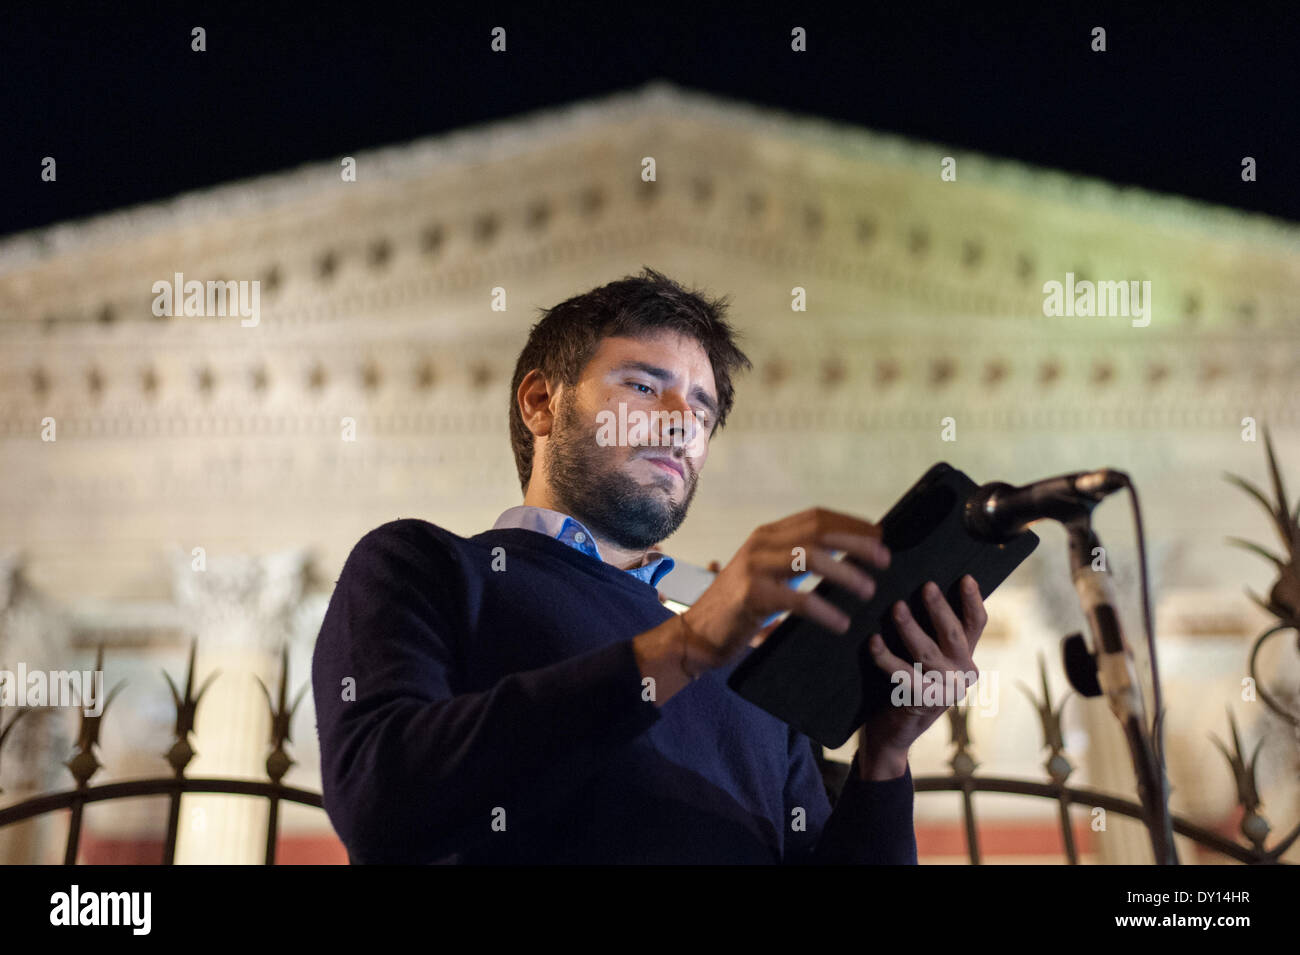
(678, 421)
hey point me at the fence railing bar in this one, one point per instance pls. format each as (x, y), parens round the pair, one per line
(272, 824)
(1089, 797)
(163, 786)
(1067, 830)
(972, 832)
(173, 827)
(74, 829)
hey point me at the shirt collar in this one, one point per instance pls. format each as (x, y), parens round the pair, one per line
(570, 530)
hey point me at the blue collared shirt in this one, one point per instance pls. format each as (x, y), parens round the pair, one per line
(570, 531)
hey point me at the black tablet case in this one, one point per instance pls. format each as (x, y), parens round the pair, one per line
(826, 684)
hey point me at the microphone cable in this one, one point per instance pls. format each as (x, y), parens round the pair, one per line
(1158, 725)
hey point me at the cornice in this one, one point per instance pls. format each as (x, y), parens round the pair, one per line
(508, 138)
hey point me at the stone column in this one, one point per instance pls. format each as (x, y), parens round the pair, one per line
(240, 608)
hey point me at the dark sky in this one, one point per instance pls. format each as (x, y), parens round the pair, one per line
(130, 113)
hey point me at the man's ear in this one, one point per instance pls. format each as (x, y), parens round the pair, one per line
(535, 397)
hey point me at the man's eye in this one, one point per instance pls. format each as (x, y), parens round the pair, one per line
(648, 389)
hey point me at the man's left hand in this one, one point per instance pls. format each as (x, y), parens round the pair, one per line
(885, 739)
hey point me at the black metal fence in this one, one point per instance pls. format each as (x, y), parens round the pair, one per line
(1254, 827)
(84, 764)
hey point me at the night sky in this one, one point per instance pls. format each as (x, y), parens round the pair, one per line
(131, 114)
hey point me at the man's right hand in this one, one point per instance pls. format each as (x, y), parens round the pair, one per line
(755, 584)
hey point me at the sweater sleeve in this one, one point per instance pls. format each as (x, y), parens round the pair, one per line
(411, 770)
(871, 823)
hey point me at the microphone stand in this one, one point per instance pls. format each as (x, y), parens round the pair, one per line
(1116, 676)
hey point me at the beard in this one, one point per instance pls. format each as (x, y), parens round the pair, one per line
(612, 504)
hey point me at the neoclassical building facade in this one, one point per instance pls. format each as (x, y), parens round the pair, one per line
(204, 475)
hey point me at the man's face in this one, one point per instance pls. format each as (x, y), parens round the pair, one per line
(628, 444)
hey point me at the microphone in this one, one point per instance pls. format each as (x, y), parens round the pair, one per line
(998, 512)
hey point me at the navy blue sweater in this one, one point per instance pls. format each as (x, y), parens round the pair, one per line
(480, 715)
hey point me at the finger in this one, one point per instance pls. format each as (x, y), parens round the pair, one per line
(973, 611)
(948, 629)
(923, 649)
(818, 610)
(818, 520)
(775, 562)
(884, 658)
(866, 547)
(810, 525)
(851, 578)
(772, 595)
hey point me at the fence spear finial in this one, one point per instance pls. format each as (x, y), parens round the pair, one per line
(181, 751)
(279, 761)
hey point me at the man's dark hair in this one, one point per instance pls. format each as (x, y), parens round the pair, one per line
(566, 337)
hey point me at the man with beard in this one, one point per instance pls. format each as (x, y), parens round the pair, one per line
(523, 696)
